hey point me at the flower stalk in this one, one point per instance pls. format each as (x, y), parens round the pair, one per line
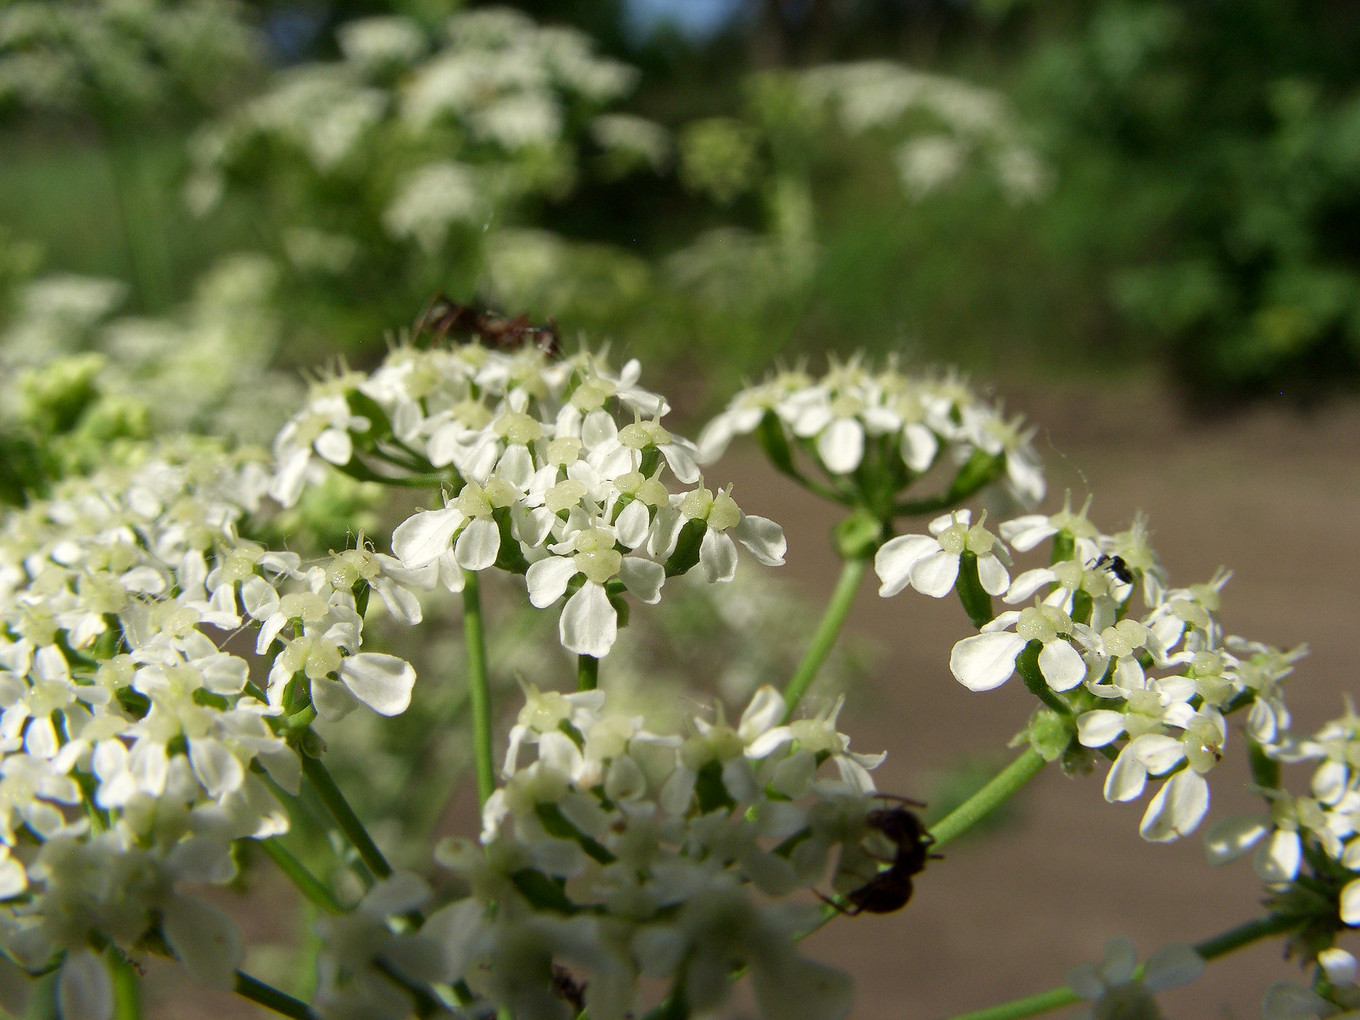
(340, 811)
(996, 792)
(479, 686)
(833, 618)
(269, 997)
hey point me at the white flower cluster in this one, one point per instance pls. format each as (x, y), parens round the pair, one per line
(133, 746)
(1161, 681)
(617, 855)
(539, 476)
(439, 125)
(1317, 831)
(122, 56)
(854, 422)
(872, 95)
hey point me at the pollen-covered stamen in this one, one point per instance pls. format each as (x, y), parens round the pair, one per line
(518, 428)
(563, 451)
(650, 491)
(1043, 623)
(565, 495)
(1124, 638)
(642, 434)
(595, 555)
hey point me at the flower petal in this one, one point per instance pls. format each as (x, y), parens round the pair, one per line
(1177, 809)
(589, 622)
(204, 939)
(423, 538)
(547, 579)
(985, 661)
(382, 682)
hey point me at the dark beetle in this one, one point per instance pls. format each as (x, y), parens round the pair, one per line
(1116, 566)
(444, 318)
(891, 888)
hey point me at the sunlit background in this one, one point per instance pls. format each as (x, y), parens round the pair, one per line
(1138, 217)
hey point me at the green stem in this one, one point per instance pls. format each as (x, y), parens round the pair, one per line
(345, 817)
(127, 990)
(825, 637)
(271, 998)
(1209, 949)
(479, 687)
(587, 672)
(1244, 935)
(1031, 1005)
(308, 884)
(998, 789)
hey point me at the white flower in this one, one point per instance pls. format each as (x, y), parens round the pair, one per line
(1115, 991)
(930, 563)
(589, 622)
(988, 660)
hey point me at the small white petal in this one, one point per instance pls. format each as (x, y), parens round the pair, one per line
(204, 939)
(217, 768)
(1350, 903)
(717, 556)
(589, 624)
(1230, 838)
(547, 579)
(1126, 778)
(895, 558)
(1062, 665)
(633, 524)
(992, 575)
(1277, 859)
(1339, 966)
(935, 574)
(985, 661)
(841, 446)
(1171, 966)
(423, 538)
(382, 682)
(1099, 727)
(1177, 809)
(478, 545)
(763, 538)
(642, 578)
(84, 988)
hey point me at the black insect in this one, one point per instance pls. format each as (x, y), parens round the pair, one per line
(1116, 566)
(566, 987)
(444, 319)
(891, 888)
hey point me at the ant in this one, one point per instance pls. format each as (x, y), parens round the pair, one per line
(444, 317)
(566, 987)
(891, 888)
(1116, 566)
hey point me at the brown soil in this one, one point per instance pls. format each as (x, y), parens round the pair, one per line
(1274, 495)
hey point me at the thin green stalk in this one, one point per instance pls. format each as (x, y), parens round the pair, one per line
(587, 672)
(344, 816)
(308, 884)
(479, 687)
(1031, 1005)
(127, 987)
(271, 998)
(825, 637)
(999, 788)
(1209, 949)
(1245, 934)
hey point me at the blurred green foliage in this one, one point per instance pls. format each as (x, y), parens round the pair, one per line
(1026, 188)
